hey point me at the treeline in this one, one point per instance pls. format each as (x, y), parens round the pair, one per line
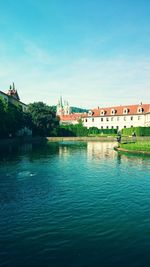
(73, 109)
(44, 119)
(40, 118)
(12, 119)
(78, 110)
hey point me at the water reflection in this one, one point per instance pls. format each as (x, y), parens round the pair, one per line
(99, 150)
(105, 150)
(67, 149)
(93, 150)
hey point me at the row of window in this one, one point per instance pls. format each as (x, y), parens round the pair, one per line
(114, 111)
(112, 127)
(112, 119)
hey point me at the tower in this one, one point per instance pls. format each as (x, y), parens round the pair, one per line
(59, 108)
(67, 109)
(63, 108)
(13, 92)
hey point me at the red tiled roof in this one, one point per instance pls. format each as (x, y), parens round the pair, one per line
(119, 110)
(132, 110)
(71, 117)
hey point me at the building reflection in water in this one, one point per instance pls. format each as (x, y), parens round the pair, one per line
(99, 150)
(105, 150)
(64, 151)
(69, 148)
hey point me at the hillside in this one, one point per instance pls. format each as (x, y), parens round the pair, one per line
(74, 109)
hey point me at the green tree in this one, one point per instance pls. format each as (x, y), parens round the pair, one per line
(45, 122)
(14, 119)
(2, 117)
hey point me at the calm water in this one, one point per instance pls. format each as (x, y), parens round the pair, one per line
(74, 204)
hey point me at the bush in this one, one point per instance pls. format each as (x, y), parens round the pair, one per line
(80, 130)
(93, 130)
(140, 131)
(73, 130)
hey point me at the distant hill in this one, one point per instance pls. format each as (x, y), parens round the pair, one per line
(74, 109)
(79, 110)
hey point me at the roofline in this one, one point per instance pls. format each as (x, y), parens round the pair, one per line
(9, 96)
(4, 93)
(123, 106)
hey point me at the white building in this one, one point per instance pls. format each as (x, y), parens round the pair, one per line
(12, 97)
(118, 117)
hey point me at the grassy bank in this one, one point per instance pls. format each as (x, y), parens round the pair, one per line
(137, 146)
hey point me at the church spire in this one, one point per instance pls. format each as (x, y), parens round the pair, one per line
(13, 86)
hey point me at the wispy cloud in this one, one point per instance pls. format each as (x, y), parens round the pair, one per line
(85, 81)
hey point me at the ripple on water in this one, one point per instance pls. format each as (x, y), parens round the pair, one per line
(74, 204)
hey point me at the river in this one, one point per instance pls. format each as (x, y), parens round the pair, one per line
(74, 204)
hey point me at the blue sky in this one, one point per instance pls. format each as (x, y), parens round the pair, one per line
(92, 52)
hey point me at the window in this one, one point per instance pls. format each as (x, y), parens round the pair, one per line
(140, 110)
(113, 111)
(92, 119)
(124, 126)
(125, 111)
(139, 117)
(112, 118)
(102, 112)
(112, 127)
(125, 118)
(101, 127)
(117, 118)
(107, 127)
(131, 118)
(85, 120)
(131, 126)
(117, 127)
(107, 119)
(101, 119)
(90, 113)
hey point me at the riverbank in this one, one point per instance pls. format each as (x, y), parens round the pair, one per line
(135, 147)
(83, 138)
(39, 140)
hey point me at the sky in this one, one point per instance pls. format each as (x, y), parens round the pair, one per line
(90, 52)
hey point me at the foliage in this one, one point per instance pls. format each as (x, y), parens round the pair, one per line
(12, 119)
(80, 130)
(78, 110)
(73, 109)
(96, 131)
(73, 130)
(45, 122)
(2, 117)
(93, 131)
(140, 131)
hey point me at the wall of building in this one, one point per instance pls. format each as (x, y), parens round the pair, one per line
(115, 122)
(13, 101)
(147, 119)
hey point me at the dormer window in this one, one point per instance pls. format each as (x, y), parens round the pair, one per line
(113, 111)
(90, 113)
(125, 111)
(140, 110)
(102, 113)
